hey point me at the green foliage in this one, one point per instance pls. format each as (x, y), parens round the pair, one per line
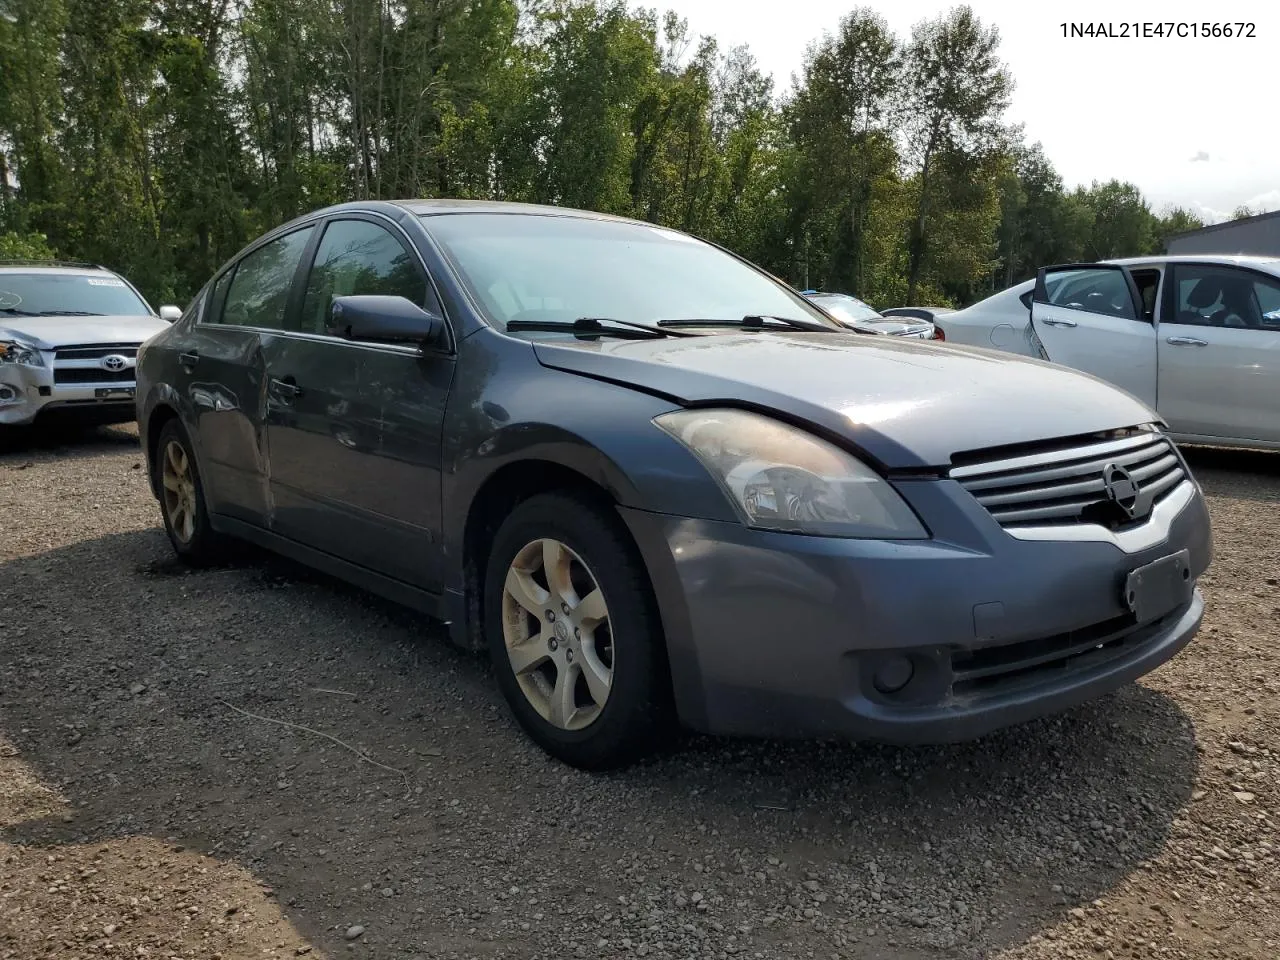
(159, 136)
(25, 246)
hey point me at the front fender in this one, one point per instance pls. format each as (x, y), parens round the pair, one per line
(157, 396)
(602, 431)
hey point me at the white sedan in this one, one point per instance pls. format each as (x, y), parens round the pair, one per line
(1197, 338)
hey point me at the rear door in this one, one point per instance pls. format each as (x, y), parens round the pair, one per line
(1092, 317)
(355, 429)
(1219, 353)
(223, 373)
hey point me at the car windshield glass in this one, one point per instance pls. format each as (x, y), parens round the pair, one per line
(848, 309)
(523, 267)
(67, 294)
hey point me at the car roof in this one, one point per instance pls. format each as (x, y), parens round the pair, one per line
(1231, 259)
(438, 206)
(52, 266)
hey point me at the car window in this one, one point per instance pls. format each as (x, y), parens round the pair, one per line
(848, 309)
(1094, 291)
(1148, 283)
(259, 289)
(217, 298)
(48, 293)
(358, 257)
(1214, 296)
(560, 268)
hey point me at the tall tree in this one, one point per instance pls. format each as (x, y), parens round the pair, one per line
(840, 114)
(956, 91)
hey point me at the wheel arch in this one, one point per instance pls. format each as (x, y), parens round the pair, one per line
(501, 491)
(161, 414)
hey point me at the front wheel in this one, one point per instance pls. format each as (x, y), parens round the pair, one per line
(182, 504)
(574, 635)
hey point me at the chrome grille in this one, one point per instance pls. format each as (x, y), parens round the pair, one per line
(96, 351)
(1062, 485)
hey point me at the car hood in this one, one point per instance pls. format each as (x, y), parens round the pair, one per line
(48, 333)
(906, 404)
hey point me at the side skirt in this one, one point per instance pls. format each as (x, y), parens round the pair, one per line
(433, 605)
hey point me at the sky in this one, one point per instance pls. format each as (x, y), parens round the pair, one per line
(1192, 122)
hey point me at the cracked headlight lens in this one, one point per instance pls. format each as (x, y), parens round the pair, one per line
(14, 351)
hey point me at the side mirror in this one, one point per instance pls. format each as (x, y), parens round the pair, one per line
(170, 313)
(388, 319)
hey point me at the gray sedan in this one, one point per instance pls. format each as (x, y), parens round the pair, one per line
(660, 487)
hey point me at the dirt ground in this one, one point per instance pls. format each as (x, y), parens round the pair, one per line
(153, 803)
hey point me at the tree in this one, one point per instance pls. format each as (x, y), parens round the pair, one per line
(1173, 221)
(1123, 225)
(956, 92)
(25, 246)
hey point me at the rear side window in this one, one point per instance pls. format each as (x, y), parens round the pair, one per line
(358, 257)
(1213, 296)
(259, 288)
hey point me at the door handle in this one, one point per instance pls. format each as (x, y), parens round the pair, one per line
(1053, 322)
(188, 359)
(1187, 342)
(286, 388)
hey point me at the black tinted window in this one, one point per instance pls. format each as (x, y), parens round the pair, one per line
(357, 257)
(1209, 296)
(217, 298)
(259, 290)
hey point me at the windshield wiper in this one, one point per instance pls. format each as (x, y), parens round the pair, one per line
(749, 322)
(15, 312)
(68, 313)
(595, 326)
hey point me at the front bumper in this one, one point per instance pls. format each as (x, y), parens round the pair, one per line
(27, 393)
(783, 636)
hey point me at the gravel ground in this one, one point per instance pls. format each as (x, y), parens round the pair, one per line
(145, 813)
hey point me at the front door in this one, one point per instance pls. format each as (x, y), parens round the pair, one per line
(355, 429)
(1219, 351)
(1091, 317)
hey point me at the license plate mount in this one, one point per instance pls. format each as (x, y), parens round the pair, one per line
(1158, 588)
(124, 393)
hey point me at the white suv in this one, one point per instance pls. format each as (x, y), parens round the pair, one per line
(69, 337)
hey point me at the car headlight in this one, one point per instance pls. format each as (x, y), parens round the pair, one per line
(781, 478)
(12, 351)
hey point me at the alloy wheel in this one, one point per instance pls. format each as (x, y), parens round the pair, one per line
(555, 623)
(178, 481)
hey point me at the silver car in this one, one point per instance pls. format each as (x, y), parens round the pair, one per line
(856, 315)
(69, 337)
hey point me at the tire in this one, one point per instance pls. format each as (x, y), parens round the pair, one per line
(185, 513)
(556, 694)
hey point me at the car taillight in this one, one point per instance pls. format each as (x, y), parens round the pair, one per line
(938, 334)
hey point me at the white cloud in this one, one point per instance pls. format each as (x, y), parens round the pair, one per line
(1200, 157)
(1264, 202)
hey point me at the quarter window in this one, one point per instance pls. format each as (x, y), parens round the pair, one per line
(259, 290)
(357, 257)
(1213, 296)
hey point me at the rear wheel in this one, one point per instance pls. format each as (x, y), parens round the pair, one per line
(182, 504)
(573, 633)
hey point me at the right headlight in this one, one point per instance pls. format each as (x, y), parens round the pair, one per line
(15, 351)
(782, 478)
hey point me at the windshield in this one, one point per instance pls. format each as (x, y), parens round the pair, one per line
(51, 294)
(846, 308)
(523, 267)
